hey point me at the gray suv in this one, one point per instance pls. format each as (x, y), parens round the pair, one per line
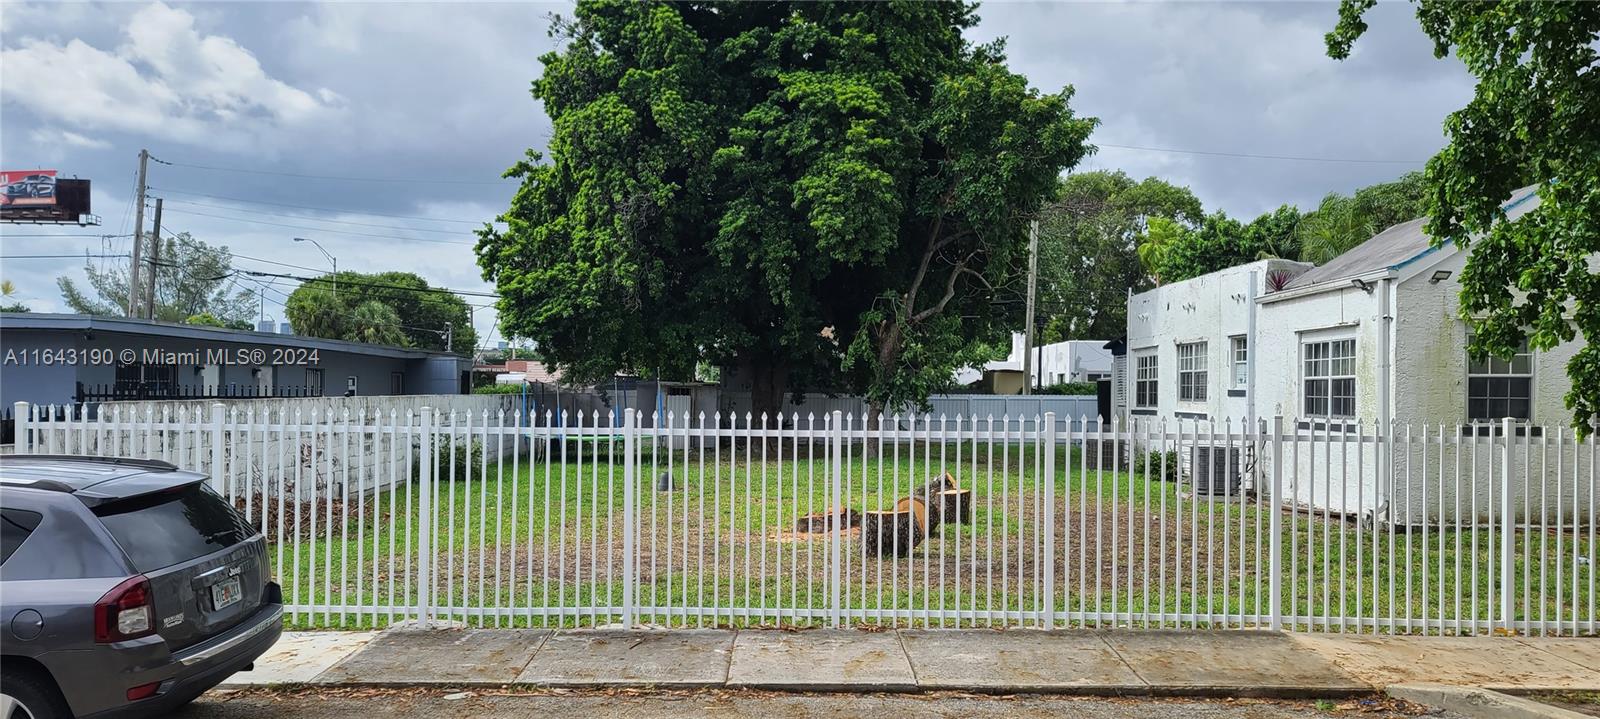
(127, 588)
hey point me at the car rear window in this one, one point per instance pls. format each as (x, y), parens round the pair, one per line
(16, 525)
(166, 528)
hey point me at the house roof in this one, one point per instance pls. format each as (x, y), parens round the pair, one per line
(1398, 246)
(11, 321)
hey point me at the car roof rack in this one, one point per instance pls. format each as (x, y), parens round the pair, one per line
(152, 464)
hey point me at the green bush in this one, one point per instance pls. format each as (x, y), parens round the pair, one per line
(1155, 462)
(468, 452)
(1071, 388)
(498, 389)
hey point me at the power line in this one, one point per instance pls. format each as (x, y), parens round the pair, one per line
(275, 262)
(326, 230)
(319, 209)
(318, 219)
(359, 283)
(69, 234)
(1293, 158)
(344, 178)
(59, 257)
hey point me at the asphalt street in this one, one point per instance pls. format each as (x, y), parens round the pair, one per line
(399, 704)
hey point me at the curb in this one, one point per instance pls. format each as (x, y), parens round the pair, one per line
(1189, 691)
(1478, 702)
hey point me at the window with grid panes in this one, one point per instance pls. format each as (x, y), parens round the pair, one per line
(1145, 380)
(1240, 354)
(1192, 372)
(1329, 378)
(1499, 388)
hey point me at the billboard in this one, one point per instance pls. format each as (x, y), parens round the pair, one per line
(28, 187)
(39, 196)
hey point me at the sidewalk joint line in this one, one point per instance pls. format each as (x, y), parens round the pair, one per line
(1101, 635)
(1547, 652)
(901, 640)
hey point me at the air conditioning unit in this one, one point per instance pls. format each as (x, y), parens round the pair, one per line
(1217, 470)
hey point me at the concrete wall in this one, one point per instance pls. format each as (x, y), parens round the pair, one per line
(266, 439)
(23, 380)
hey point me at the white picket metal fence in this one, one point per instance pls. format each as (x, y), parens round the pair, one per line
(509, 520)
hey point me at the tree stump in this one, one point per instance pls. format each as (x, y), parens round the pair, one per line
(954, 506)
(894, 531)
(941, 483)
(825, 521)
(927, 516)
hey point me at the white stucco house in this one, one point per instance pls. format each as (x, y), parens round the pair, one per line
(1054, 363)
(1371, 339)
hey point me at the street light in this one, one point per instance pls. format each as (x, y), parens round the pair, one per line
(331, 258)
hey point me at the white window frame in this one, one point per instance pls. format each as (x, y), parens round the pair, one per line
(1239, 356)
(1319, 363)
(1193, 371)
(1494, 368)
(1141, 376)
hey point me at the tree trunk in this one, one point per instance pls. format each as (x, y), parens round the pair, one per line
(769, 379)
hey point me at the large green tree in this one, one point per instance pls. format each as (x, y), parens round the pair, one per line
(1221, 242)
(804, 191)
(1534, 117)
(390, 308)
(1088, 242)
(192, 278)
(1341, 222)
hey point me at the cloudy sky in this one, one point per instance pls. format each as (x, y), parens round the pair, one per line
(380, 130)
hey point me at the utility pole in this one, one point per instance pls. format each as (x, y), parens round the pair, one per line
(138, 237)
(1033, 288)
(155, 265)
(449, 336)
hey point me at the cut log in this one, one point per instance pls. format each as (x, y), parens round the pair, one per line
(954, 506)
(825, 521)
(927, 521)
(893, 532)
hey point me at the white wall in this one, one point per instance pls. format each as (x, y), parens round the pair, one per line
(1211, 308)
(1431, 359)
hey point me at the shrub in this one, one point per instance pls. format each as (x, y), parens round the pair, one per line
(1156, 462)
(498, 389)
(1071, 388)
(468, 451)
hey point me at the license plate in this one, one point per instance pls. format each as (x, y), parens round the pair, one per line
(226, 593)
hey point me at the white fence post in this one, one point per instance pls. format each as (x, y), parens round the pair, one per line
(1274, 530)
(630, 497)
(217, 448)
(425, 533)
(1507, 532)
(1048, 618)
(20, 438)
(835, 503)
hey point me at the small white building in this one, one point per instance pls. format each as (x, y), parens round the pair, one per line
(1054, 363)
(1369, 340)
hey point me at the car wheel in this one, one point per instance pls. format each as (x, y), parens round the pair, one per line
(26, 695)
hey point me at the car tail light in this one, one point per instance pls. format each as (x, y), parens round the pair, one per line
(125, 612)
(143, 691)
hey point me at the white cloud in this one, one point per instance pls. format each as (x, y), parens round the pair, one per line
(167, 80)
(55, 136)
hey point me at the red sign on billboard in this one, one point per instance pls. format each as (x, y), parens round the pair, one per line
(28, 188)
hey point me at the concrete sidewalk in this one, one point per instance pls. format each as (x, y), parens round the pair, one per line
(1104, 662)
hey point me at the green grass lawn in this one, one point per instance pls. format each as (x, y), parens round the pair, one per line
(550, 534)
